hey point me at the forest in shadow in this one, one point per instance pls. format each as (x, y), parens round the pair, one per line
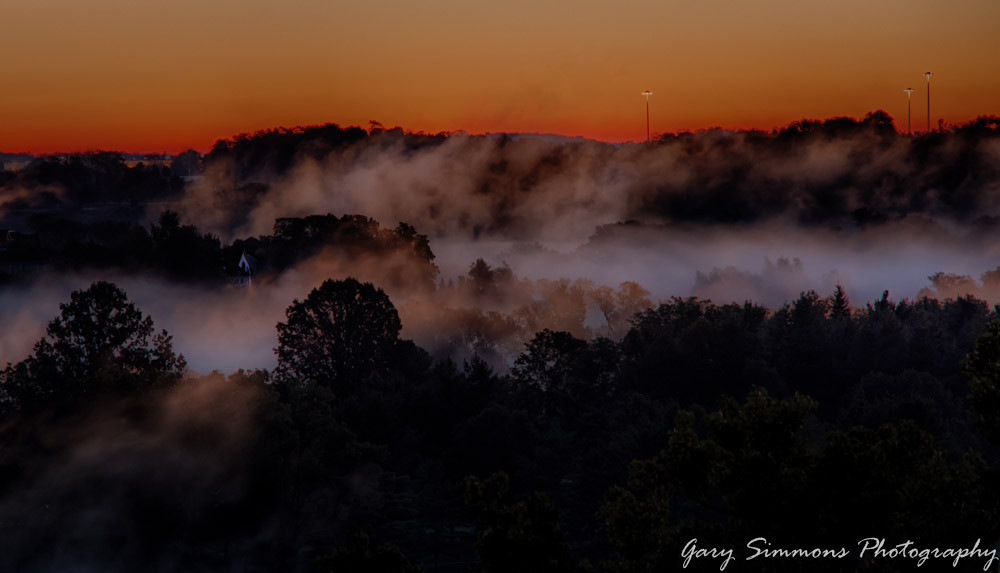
(339, 349)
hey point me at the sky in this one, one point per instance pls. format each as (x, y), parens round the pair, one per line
(167, 75)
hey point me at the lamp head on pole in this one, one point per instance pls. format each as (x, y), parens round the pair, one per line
(928, 76)
(908, 92)
(647, 93)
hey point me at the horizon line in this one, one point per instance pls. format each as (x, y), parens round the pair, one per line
(454, 132)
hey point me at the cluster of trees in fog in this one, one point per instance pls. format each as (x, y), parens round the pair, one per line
(362, 452)
(837, 172)
(64, 184)
(181, 252)
(840, 172)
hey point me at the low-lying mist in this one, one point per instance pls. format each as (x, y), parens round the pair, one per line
(226, 327)
(726, 216)
(836, 173)
(104, 495)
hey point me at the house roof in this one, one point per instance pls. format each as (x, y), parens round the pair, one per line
(248, 263)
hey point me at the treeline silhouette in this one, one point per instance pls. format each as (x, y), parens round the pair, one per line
(180, 252)
(361, 452)
(840, 172)
(103, 179)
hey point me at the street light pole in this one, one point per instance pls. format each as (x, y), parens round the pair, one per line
(909, 91)
(928, 74)
(647, 93)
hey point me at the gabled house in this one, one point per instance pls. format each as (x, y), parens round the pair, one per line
(247, 264)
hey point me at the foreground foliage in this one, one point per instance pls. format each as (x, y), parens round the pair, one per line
(810, 424)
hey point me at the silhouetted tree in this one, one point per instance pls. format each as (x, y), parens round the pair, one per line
(186, 164)
(550, 361)
(840, 305)
(487, 281)
(880, 122)
(343, 332)
(100, 343)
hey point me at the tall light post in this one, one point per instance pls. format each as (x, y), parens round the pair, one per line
(647, 93)
(909, 92)
(928, 75)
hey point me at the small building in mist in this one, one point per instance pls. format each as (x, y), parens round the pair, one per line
(248, 268)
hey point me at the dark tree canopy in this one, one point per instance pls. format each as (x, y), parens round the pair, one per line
(361, 554)
(519, 536)
(344, 331)
(983, 367)
(100, 343)
(752, 469)
(855, 422)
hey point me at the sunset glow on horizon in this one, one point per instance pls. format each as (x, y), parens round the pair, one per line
(163, 76)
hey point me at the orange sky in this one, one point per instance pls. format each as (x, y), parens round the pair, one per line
(165, 75)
